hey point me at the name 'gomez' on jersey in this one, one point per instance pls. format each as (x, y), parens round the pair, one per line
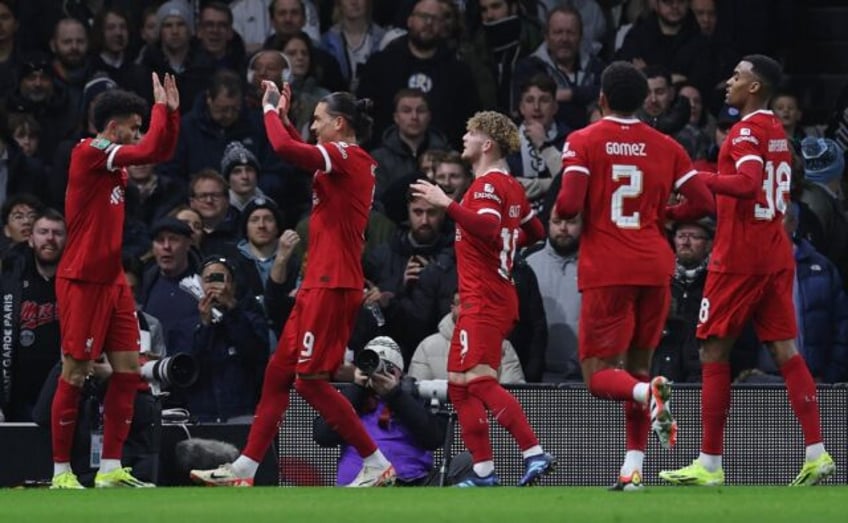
(342, 194)
(485, 266)
(750, 238)
(632, 169)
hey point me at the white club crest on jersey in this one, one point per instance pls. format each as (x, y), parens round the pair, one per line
(567, 152)
(117, 195)
(488, 188)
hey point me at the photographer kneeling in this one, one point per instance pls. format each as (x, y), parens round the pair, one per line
(402, 423)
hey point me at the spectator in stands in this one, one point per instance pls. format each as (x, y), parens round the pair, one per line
(240, 167)
(403, 142)
(555, 266)
(705, 15)
(110, 42)
(593, 21)
(71, 63)
(32, 320)
(263, 246)
(353, 38)
(148, 33)
(194, 220)
(505, 36)
(153, 196)
(663, 109)
(577, 74)
(393, 199)
(178, 54)
(453, 175)
(403, 426)
(216, 119)
(670, 37)
(824, 168)
(160, 293)
(542, 138)
(306, 88)
(785, 106)
(19, 212)
(821, 309)
(37, 94)
(9, 49)
(230, 351)
(209, 196)
(266, 64)
(393, 267)
(289, 17)
(420, 60)
(217, 38)
(698, 134)
(430, 360)
(26, 132)
(252, 21)
(725, 120)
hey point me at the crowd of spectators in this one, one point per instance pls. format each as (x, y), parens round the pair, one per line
(225, 204)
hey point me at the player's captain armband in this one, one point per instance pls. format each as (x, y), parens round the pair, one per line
(100, 143)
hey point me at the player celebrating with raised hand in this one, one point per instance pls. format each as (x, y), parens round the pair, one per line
(751, 273)
(96, 305)
(493, 219)
(312, 345)
(619, 173)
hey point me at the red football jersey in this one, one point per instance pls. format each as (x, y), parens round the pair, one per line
(342, 194)
(485, 266)
(750, 238)
(94, 200)
(632, 169)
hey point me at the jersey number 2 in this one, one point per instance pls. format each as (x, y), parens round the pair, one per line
(632, 189)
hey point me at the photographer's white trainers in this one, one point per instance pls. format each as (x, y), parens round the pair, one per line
(374, 477)
(223, 476)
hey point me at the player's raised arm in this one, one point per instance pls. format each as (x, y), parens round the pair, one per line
(285, 143)
(161, 139)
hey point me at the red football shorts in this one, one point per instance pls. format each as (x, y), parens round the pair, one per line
(732, 300)
(318, 329)
(618, 318)
(477, 340)
(96, 317)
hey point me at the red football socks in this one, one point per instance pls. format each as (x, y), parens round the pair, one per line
(63, 420)
(802, 396)
(637, 421)
(612, 384)
(118, 412)
(505, 408)
(269, 413)
(715, 403)
(337, 412)
(473, 421)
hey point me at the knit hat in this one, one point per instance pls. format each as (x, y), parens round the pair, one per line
(824, 160)
(94, 87)
(237, 154)
(260, 202)
(175, 8)
(388, 350)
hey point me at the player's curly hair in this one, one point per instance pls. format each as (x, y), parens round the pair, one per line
(499, 128)
(116, 103)
(624, 86)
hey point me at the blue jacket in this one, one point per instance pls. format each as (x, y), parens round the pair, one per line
(230, 356)
(334, 43)
(822, 307)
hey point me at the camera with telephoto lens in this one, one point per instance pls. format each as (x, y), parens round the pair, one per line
(370, 362)
(434, 390)
(179, 370)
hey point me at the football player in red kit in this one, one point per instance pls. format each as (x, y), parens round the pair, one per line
(312, 345)
(750, 275)
(619, 173)
(96, 306)
(493, 219)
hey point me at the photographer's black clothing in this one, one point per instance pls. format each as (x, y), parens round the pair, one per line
(31, 345)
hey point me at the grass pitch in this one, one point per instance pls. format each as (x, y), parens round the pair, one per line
(428, 505)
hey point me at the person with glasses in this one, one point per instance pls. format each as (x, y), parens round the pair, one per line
(209, 195)
(311, 349)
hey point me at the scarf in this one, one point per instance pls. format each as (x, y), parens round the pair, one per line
(532, 163)
(687, 276)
